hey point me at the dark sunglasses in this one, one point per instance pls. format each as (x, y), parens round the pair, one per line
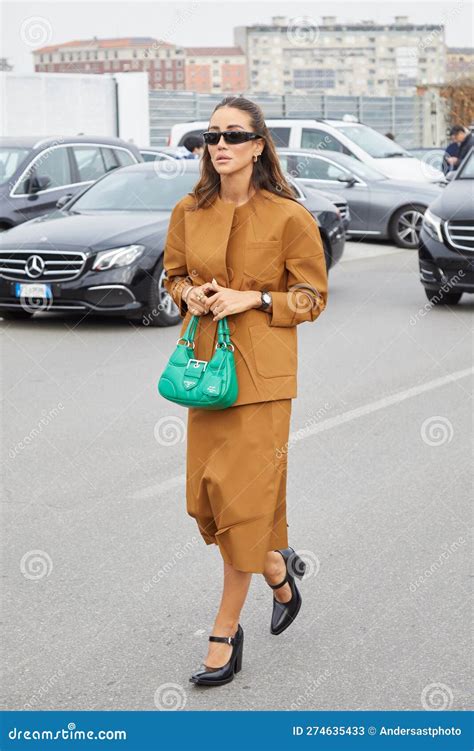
(212, 137)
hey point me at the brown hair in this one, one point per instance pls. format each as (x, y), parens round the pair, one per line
(266, 173)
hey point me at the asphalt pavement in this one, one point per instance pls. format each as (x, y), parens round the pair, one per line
(109, 592)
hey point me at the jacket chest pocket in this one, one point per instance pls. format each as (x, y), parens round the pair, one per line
(263, 260)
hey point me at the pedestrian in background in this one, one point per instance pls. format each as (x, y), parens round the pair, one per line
(464, 140)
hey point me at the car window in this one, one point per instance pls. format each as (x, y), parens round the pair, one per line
(140, 190)
(52, 164)
(313, 138)
(190, 133)
(124, 157)
(110, 160)
(312, 168)
(10, 160)
(281, 136)
(371, 141)
(89, 161)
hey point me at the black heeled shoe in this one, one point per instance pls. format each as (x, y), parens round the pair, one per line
(284, 613)
(225, 673)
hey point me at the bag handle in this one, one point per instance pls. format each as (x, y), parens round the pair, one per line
(223, 333)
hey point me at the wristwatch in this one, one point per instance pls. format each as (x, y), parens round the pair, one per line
(266, 300)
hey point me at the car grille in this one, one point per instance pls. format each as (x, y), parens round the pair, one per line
(342, 208)
(41, 265)
(460, 233)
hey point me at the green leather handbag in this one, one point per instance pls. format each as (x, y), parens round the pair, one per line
(208, 384)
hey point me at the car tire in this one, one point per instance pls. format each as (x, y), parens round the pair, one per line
(161, 309)
(438, 297)
(15, 315)
(405, 225)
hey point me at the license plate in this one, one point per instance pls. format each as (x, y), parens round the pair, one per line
(42, 291)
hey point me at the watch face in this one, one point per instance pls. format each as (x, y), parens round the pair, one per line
(266, 298)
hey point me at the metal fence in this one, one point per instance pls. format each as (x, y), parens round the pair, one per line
(405, 117)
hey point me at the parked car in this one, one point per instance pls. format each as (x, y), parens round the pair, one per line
(102, 251)
(160, 153)
(379, 207)
(36, 172)
(434, 156)
(344, 136)
(446, 248)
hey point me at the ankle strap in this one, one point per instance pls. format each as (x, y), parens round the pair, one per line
(226, 639)
(277, 586)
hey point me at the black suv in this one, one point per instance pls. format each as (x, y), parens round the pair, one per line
(446, 247)
(36, 172)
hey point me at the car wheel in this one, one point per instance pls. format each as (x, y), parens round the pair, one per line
(405, 226)
(438, 297)
(12, 315)
(161, 309)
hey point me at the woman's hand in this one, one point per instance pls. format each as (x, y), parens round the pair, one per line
(225, 301)
(195, 299)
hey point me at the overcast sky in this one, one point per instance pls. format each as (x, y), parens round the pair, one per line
(29, 25)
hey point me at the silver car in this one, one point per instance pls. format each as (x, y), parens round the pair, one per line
(379, 206)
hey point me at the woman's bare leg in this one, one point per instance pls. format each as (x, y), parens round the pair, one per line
(275, 570)
(236, 586)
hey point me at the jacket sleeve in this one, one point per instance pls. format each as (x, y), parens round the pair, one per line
(307, 287)
(174, 260)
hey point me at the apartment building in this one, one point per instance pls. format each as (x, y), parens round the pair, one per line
(363, 58)
(215, 69)
(203, 69)
(460, 63)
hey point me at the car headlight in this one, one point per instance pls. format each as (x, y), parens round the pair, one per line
(116, 257)
(432, 225)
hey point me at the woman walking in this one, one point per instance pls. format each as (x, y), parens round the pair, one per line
(241, 246)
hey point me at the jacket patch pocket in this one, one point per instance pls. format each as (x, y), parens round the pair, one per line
(263, 260)
(274, 349)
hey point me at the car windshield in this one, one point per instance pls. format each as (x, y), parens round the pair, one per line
(137, 190)
(467, 171)
(374, 143)
(360, 169)
(10, 159)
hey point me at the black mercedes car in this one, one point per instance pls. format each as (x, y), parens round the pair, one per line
(446, 246)
(102, 251)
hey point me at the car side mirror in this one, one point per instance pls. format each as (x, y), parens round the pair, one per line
(61, 202)
(36, 184)
(349, 179)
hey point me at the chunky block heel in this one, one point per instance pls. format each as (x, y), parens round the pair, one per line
(207, 676)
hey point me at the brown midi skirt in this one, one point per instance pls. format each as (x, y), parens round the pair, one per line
(236, 474)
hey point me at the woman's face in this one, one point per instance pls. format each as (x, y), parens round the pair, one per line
(228, 158)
